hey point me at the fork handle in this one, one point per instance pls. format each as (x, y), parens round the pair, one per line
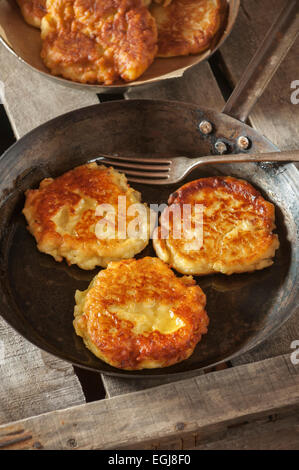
(285, 156)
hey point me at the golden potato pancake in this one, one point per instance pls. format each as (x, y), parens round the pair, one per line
(187, 26)
(63, 217)
(98, 41)
(165, 3)
(137, 314)
(236, 231)
(33, 11)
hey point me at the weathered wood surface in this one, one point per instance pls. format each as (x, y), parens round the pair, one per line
(115, 386)
(274, 432)
(196, 409)
(31, 381)
(30, 99)
(270, 434)
(198, 85)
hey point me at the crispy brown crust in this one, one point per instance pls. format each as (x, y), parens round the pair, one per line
(88, 183)
(33, 11)
(67, 190)
(237, 228)
(98, 41)
(187, 26)
(114, 341)
(239, 189)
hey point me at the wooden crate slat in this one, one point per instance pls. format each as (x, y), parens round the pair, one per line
(189, 409)
(32, 381)
(115, 386)
(273, 432)
(31, 99)
(269, 434)
(198, 85)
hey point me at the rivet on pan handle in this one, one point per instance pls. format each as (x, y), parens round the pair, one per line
(265, 62)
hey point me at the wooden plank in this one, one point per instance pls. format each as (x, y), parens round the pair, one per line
(274, 116)
(31, 381)
(30, 99)
(198, 85)
(187, 410)
(269, 434)
(273, 432)
(115, 386)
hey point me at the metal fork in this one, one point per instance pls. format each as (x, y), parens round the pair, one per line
(172, 170)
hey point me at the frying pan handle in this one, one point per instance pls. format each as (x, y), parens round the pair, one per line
(265, 62)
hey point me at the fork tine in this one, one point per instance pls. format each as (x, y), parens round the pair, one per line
(148, 181)
(145, 174)
(135, 159)
(135, 166)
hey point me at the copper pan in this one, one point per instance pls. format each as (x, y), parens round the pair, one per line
(13, 30)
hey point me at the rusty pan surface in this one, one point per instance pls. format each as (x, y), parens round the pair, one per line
(37, 293)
